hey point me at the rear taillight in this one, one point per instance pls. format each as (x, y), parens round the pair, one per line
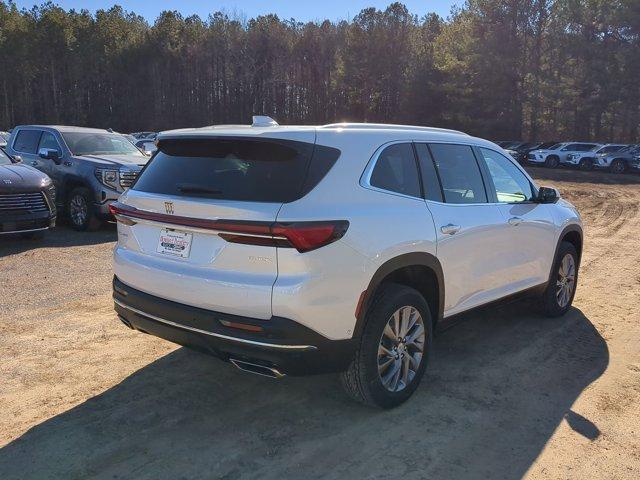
(303, 236)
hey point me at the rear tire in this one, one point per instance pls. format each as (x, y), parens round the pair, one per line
(81, 210)
(618, 166)
(561, 289)
(376, 376)
(552, 162)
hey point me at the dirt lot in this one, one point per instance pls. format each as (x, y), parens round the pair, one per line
(509, 394)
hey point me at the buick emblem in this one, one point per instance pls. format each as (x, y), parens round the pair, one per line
(168, 207)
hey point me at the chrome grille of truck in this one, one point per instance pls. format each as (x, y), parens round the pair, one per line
(23, 203)
(127, 178)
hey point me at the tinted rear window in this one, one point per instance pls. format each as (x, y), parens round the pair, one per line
(236, 169)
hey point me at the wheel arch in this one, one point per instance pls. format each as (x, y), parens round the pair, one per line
(69, 183)
(572, 234)
(419, 270)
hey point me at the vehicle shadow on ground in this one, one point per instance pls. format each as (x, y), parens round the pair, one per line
(60, 236)
(498, 386)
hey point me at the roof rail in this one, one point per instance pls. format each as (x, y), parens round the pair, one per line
(382, 126)
(263, 121)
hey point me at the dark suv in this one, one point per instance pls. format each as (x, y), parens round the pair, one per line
(89, 167)
(27, 199)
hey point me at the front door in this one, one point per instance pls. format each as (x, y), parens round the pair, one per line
(531, 230)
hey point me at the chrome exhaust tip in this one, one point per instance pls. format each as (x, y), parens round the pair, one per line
(256, 369)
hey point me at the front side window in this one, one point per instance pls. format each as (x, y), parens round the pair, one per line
(510, 183)
(27, 141)
(396, 171)
(4, 158)
(49, 141)
(89, 143)
(459, 173)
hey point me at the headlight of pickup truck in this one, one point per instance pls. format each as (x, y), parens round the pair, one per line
(109, 178)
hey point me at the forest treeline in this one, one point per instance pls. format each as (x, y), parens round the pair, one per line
(503, 69)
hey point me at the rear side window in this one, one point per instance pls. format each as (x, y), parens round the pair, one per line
(396, 170)
(236, 169)
(27, 141)
(429, 176)
(459, 173)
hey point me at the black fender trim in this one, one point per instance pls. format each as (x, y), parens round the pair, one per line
(406, 260)
(574, 227)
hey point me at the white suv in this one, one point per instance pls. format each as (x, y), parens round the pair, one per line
(340, 248)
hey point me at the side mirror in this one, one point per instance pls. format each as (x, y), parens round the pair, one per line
(547, 195)
(49, 154)
(17, 159)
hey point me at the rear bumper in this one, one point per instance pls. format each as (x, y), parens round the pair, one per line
(283, 344)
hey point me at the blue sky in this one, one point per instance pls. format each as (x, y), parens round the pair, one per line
(300, 10)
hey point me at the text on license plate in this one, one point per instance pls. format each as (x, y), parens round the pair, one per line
(174, 242)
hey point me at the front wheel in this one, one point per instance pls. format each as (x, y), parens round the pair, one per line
(552, 161)
(393, 352)
(618, 166)
(586, 164)
(558, 296)
(81, 210)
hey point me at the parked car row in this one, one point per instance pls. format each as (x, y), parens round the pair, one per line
(75, 171)
(291, 250)
(615, 157)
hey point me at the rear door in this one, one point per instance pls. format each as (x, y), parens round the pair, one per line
(471, 232)
(189, 184)
(25, 145)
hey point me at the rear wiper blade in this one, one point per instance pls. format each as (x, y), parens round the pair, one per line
(192, 188)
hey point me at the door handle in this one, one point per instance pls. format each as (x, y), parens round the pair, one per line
(515, 221)
(450, 229)
(34, 163)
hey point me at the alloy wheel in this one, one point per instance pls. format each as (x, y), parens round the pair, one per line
(566, 281)
(401, 348)
(78, 209)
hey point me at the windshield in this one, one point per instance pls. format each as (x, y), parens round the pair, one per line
(611, 149)
(82, 143)
(4, 158)
(556, 146)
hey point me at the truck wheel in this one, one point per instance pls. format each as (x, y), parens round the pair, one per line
(81, 210)
(618, 166)
(552, 162)
(393, 350)
(558, 296)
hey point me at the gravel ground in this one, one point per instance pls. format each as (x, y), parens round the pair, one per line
(509, 394)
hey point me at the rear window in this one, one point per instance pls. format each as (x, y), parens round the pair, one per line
(236, 169)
